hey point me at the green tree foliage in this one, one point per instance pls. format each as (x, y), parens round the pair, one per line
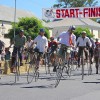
(78, 3)
(98, 20)
(79, 30)
(62, 4)
(30, 26)
(91, 3)
(75, 3)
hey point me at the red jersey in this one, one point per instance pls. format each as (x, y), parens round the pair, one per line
(53, 44)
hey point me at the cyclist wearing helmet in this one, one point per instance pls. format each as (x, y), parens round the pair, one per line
(68, 40)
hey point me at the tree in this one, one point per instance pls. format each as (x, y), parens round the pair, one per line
(75, 3)
(91, 3)
(30, 26)
(80, 29)
(62, 3)
(98, 20)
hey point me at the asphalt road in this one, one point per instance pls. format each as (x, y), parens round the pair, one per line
(70, 88)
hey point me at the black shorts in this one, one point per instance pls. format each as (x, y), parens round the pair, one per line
(39, 54)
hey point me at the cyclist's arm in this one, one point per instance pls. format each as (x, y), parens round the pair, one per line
(25, 40)
(34, 42)
(3, 46)
(73, 41)
(77, 42)
(46, 45)
(12, 42)
(89, 42)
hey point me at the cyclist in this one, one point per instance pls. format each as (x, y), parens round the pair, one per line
(2, 48)
(96, 41)
(41, 47)
(97, 56)
(29, 42)
(19, 43)
(52, 47)
(82, 42)
(91, 50)
(67, 40)
(27, 47)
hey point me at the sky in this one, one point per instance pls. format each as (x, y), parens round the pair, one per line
(35, 6)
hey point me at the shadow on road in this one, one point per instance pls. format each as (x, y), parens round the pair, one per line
(92, 82)
(12, 83)
(41, 86)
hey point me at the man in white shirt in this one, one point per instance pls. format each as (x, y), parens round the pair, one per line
(42, 44)
(82, 43)
(67, 41)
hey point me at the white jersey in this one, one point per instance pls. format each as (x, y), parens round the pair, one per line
(83, 41)
(42, 42)
(64, 38)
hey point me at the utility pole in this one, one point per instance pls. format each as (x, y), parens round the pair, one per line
(15, 19)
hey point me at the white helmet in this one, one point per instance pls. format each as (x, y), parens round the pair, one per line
(72, 28)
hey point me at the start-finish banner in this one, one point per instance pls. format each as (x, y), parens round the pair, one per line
(79, 12)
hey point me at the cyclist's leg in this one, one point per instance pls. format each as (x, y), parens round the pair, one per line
(20, 56)
(39, 56)
(96, 64)
(14, 54)
(86, 53)
(68, 52)
(58, 56)
(91, 55)
(0, 58)
(79, 55)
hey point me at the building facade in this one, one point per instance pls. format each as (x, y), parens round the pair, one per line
(62, 25)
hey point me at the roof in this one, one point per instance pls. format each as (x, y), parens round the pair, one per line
(74, 21)
(7, 13)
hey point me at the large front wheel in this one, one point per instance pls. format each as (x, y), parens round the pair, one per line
(30, 74)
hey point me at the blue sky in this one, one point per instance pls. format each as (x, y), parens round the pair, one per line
(34, 6)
